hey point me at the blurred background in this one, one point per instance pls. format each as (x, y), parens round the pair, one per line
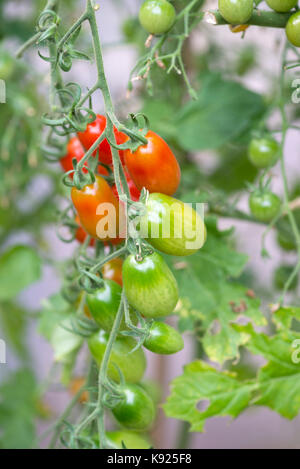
(31, 192)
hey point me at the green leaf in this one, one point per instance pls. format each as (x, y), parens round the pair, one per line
(19, 267)
(224, 110)
(55, 310)
(279, 379)
(18, 411)
(13, 322)
(200, 384)
(284, 317)
(209, 295)
(65, 342)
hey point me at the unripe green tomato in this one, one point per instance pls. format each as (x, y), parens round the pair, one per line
(172, 226)
(236, 11)
(286, 241)
(163, 339)
(104, 303)
(131, 440)
(153, 389)
(157, 16)
(132, 365)
(292, 29)
(264, 206)
(136, 409)
(282, 275)
(263, 152)
(282, 6)
(150, 286)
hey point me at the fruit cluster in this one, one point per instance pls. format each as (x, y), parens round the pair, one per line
(149, 285)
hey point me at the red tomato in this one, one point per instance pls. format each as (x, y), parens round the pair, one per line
(112, 270)
(154, 166)
(93, 132)
(76, 150)
(134, 192)
(100, 221)
(81, 234)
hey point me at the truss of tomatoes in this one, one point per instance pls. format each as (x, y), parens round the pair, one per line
(150, 286)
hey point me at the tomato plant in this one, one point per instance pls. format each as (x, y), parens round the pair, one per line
(263, 152)
(152, 255)
(264, 206)
(236, 11)
(157, 16)
(131, 363)
(163, 339)
(154, 166)
(135, 410)
(150, 285)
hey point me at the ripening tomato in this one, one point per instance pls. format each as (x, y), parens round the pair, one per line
(163, 339)
(282, 6)
(171, 226)
(136, 409)
(112, 270)
(99, 211)
(154, 166)
(133, 190)
(76, 150)
(150, 286)
(131, 364)
(236, 11)
(104, 303)
(93, 132)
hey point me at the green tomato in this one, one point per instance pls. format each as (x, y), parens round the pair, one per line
(157, 16)
(264, 206)
(104, 303)
(282, 275)
(150, 286)
(171, 226)
(263, 152)
(293, 29)
(236, 11)
(282, 6)
(163, 339)
(286, 241)
(132, 365)
(136, 409)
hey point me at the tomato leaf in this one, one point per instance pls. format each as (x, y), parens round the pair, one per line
(223, 111)
(211, 296)
(19, 267)
(18, 411)
(203, 386)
